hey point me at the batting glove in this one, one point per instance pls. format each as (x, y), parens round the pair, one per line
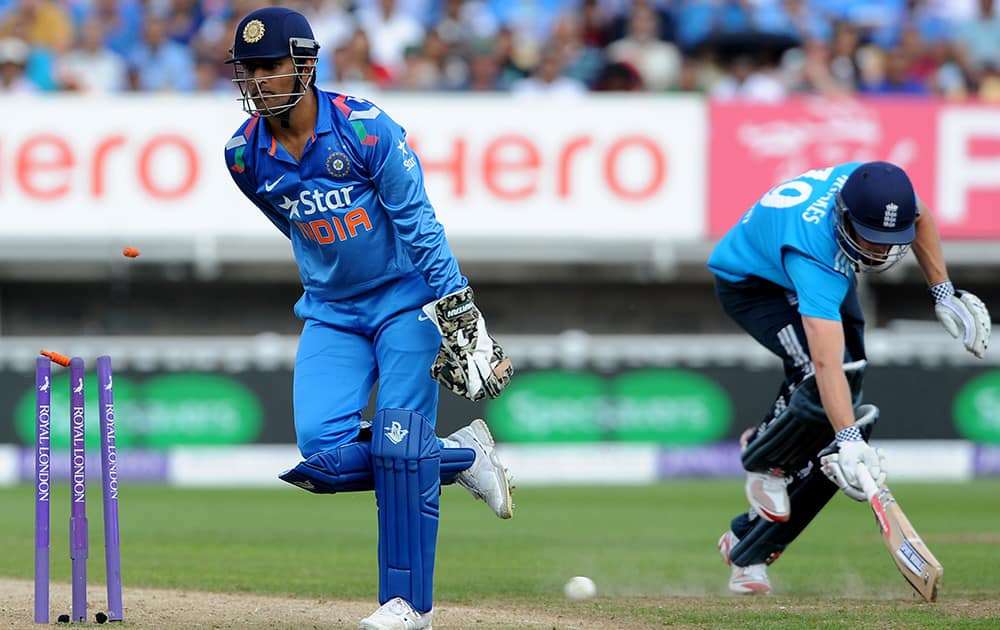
(963, 315)
(841, 467)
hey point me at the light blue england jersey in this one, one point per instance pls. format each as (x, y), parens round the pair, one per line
(789, 238)
(354, 207)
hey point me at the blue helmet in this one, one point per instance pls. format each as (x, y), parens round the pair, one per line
(877, 204)
(272, 33)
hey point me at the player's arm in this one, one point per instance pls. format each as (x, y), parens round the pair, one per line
(821, 291)
(241, 174)
(826, 345)
(470, 362)
(398, 177)
(962, 313)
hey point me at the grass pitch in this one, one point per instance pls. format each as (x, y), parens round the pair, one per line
(651, 551)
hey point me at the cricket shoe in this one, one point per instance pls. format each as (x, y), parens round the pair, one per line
(768, 496)
(751, 580)
(486, 479)
(396, 614)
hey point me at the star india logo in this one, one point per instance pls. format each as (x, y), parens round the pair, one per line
(396, 433)
(253, 32)
(889, 218)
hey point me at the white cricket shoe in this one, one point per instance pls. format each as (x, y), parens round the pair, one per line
(486, 479)
(768, 496)
(396, 614)
(751, 580)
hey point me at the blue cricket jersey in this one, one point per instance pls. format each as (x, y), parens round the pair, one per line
(789, 238)
(354, 207)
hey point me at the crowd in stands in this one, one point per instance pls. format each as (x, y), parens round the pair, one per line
(758, 50)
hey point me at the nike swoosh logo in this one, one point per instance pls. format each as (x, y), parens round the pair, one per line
(422, 318)
(269, 186)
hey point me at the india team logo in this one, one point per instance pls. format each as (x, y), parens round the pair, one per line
(338, 164)
(253, 32)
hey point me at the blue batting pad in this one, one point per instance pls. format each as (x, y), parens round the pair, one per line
(406, 457)
(454, 461)
(347, 468)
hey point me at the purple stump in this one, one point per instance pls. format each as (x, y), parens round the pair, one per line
(78, 548)
(109, 479)
(43, 461)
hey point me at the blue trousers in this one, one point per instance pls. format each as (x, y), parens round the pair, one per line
(347, 346)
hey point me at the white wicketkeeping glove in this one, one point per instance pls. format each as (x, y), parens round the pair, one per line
(963, 315)
(470, 363)
(841, 467)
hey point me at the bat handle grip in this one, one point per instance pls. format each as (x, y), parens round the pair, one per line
(866, 481)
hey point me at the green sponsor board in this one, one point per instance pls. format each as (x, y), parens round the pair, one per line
(977, 409)
(182, 409)
(666, 406)
(551, 406)
(670, 407)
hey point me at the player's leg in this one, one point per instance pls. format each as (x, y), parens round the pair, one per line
(334, 371)
(754, 540)
(407, 457)
(334, 374)
(792, 441)
(406, 345)
(769, 313)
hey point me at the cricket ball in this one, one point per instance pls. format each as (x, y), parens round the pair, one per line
(580, 587)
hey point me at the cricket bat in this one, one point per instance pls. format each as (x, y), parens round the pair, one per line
(914, 560)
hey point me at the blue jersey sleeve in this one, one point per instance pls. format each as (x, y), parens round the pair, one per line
(239, 163)
(820, 289)
(397, 174)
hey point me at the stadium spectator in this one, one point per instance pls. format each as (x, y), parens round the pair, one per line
(658, 62)
(548, 78)
(41, 23)
(13, 61)
(484, 69)
(183, 18)
(512, 68)
(748, 80)
(830, 47)
(978, 39)
(892, 74)
(122, 21)
(844, 67)
(798, 19)
(332, 23)
(92, 66)
(466, 20)
(353, 70)
(618, 26)
(160, 64)
(618, 76)
(390, 32)
(581, 61)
